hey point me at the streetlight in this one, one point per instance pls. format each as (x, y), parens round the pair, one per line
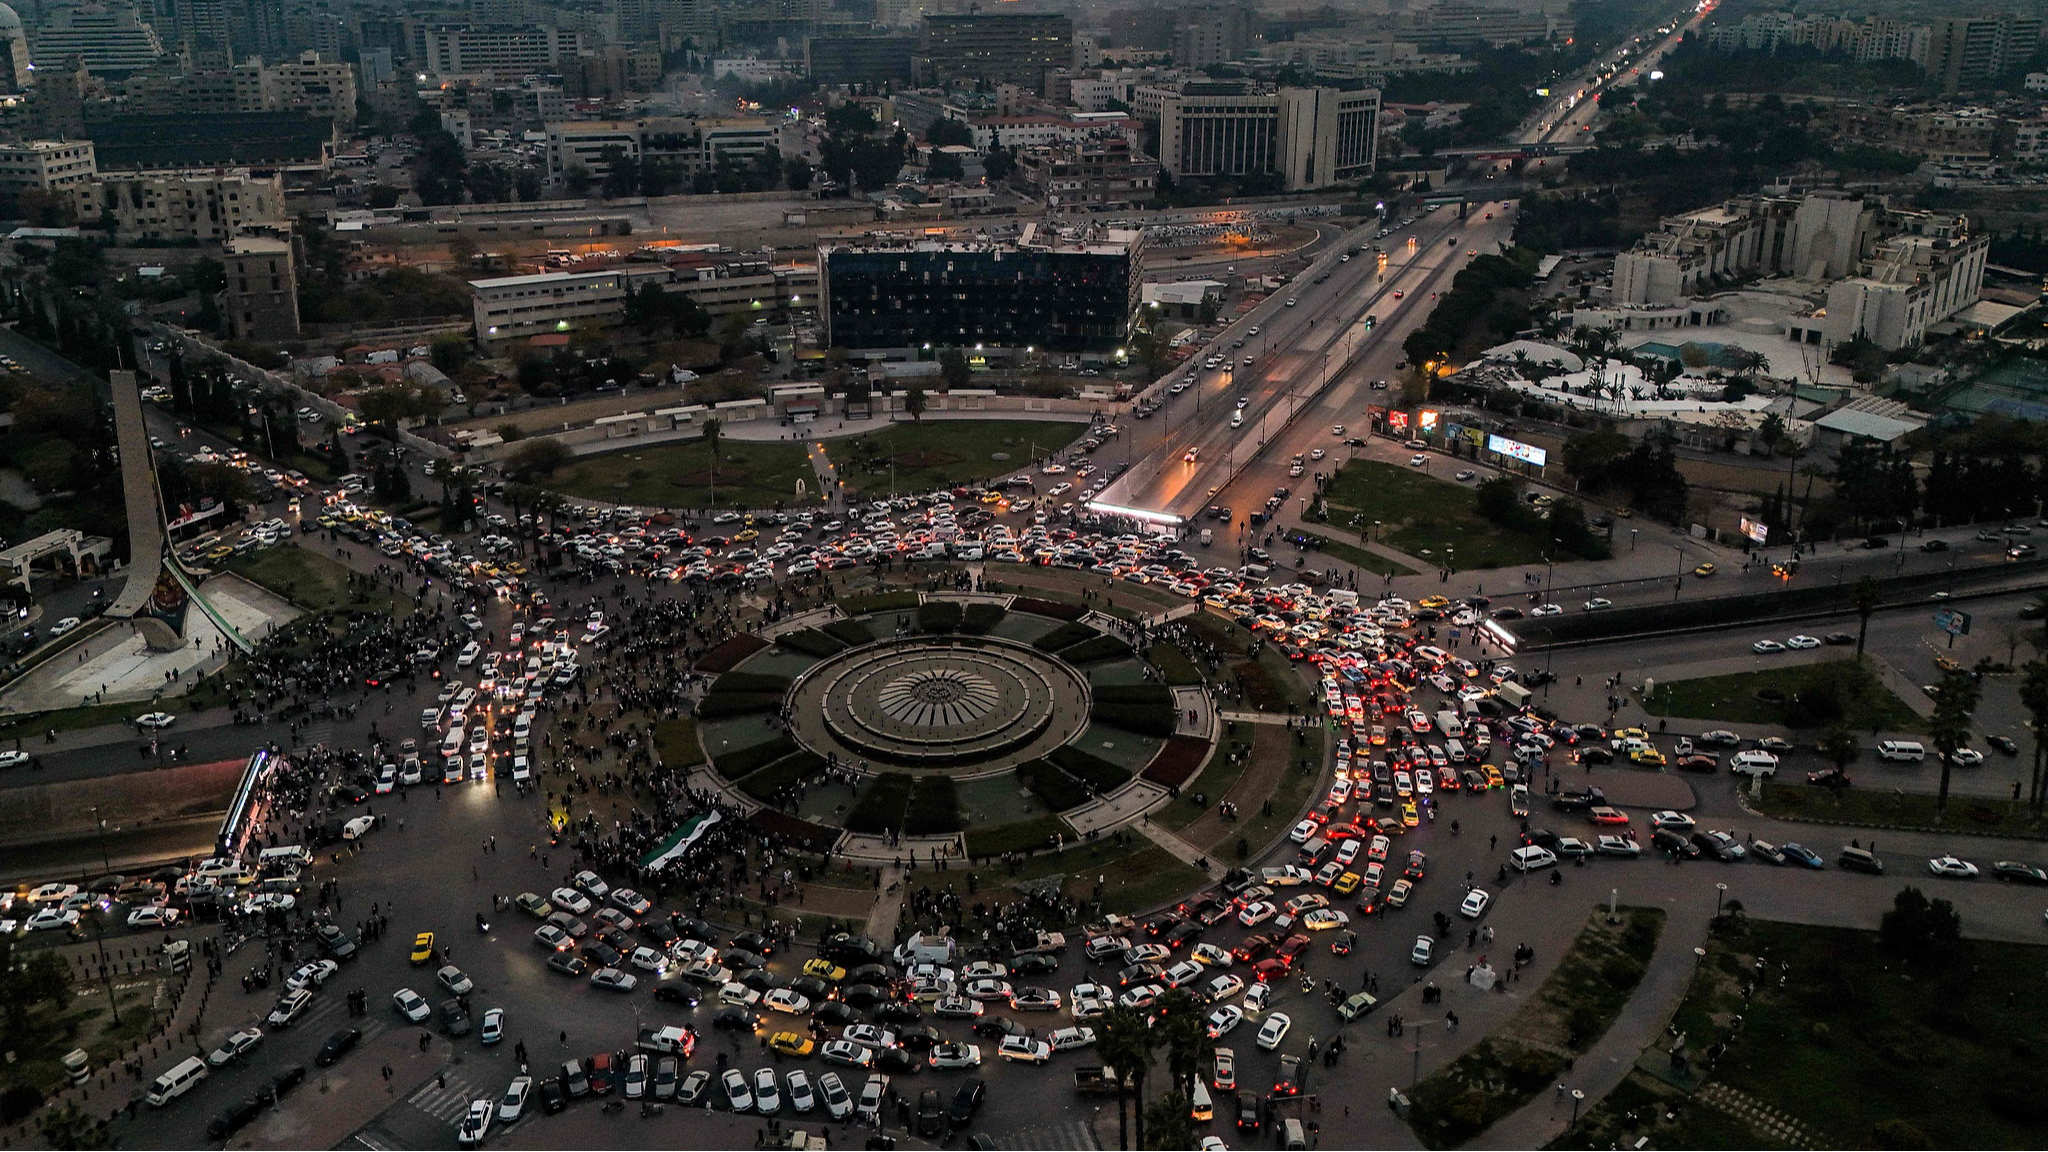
(1578, 1098)
(1720, 894)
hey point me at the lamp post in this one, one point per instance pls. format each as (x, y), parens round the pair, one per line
(1578, 1098)
(1720, 895)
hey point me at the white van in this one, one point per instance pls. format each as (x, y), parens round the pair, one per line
(430, 717)
(1204, 1107)
(287, 855)
(470, 652)
(358, 828)
(1450, 723)
(1757, 762)
(176, 1082)
(1530, 857)
(451, 744)
(1907, 750)
(1291, 1134)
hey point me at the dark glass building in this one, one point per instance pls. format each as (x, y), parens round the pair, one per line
(1065, 292)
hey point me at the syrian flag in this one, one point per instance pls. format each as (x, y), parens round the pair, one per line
(679, 842)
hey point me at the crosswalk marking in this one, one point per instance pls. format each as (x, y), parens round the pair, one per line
(450, 1103)
(325, 1010)
(1072, 1135)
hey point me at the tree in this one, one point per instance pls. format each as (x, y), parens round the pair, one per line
(386, 406)
(621, 174)
(537, 459)
(954, 369)
(944, 132)
(999, 164)
(1171, 1120)
(2034, 697)
(1954, 706)
(796, 173)
(577, 179)
(913, 403)
(450, 352)
(1148, 347)
(1867, 597)
(850, 119)
(1920, 929)
(1126, 1049)
(1187, 1044)
(1498, 499)
(1771, 432)
(66, 1128)
(945, 166)
(1838, 746)
(713, 428)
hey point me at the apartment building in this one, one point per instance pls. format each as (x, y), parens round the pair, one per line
(1311, 137)
(1102, 173)
(998, 47)
(1971, 51)
(261, 300)
(691, 145)
(198, 207)
(1910, 282)
(504, 53)
(46, 165)
(508, 309)
(112, 41)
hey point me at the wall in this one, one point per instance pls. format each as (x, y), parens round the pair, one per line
(42, 813)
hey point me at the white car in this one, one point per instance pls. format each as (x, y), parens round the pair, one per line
(312, 974)
(152, 917)
(1417, 460)
(570, 899)
(1324, 919)
(513, 1102)
(801, 1097)
(235, 1045)
(1598, 603)
(13, 759)
(1274, 1030)
(838, 1105)
(1423, 950)
(1967, 758)
(1547, 610)
(1069, 1039)
(1024, 1050)
(848, 1053)
(411, 1005)
(956, 1056)
(475, 1124)
(1257, 913)
(1765, 646)
(767, 1092)
(49, 918)
(1953, 868)
(155, 720)
(1303, 831)
(738, 1096)
(1475, 903)
(1225, 1076)
(1675, 821)
(1223, 987)
(1802, 642)
(648, 960)
(455, 980)
(1223, 1020)
(614, 980)
(64, 626)
(784, 1000)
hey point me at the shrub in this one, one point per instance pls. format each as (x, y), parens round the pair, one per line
(1095, 649)
(728, 655)
(1143, 719)
(878, 602)
(849, 632)
(1089, 768)
(677, 742)
(881, 804)
(934, 807)
(750, 682)
(939, 616)
(1054, 788)
(1052, 608)
(724, 704)
(810, 642)
(1064, 636)
(1177, 762)
(981, 618)
(735, 765)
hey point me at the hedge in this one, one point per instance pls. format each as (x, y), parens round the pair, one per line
(881, 804)
(728, 655)
(878, 602)
(721, 705)
(1054, 788)
(981, 618)
(1155, 694)
(1089, 768)
(735, 765)
(677, 742)
(1018, 836)
(1099, 648)
(850, 632)
(764, 783)
(1144, 719)
(939, 616)
(810, 642)
(1052, 608)
(1064, 636)
(754, 682)
(934, 807)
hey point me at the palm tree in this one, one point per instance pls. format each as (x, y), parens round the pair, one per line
(1950, 726)
(712, 427)
(1126, 1048)
(2034, 697)
(1866, 598)
(1838, 746)
(1186, 1038)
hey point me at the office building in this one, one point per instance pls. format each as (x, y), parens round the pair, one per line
(1327, 136)
(1449, 26)
(997, 47)
(494, 52)
(1310, 137)
(192, 207)
(1973, 51)
(1927, 272)
(1100, 173)
(859, 59)
(109, 42)
(1216, 35)
(261, 300)
(46, 165)
(1062, 291)
(514, 308)
(688, 145)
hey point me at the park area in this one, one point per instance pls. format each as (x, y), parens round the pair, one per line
(750, 474)
(1423, 516)
(946, 453)
(314, 582)
(1845, 692)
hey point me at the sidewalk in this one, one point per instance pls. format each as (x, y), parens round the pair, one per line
(344, 1098)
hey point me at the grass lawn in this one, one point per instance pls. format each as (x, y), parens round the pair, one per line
(1214, 784)
(1134, 878)
(751, 474)
(1174, 665)
(946, 453)
(1883, 806)
(1358, 557)
(1289, 795)
(1426, 517)
(309, 579)
(1844, 689)
(677, 742)
(1855, 1036)
(1575, 1005)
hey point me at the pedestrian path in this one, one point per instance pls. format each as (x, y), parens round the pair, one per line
(1069, 1134)
(1187, 853)
(331, 1012)
(1256, 717)
(448, 1102)
(888, 904)
(1178, 611)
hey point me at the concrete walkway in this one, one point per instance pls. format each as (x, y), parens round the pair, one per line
(1185, 852)
(888, 908)
(1278, 718)
(1120, 807)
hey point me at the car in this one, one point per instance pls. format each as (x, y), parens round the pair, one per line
(2019, 872)
(337, 1046)
(1765, 646)
(791, 1044)
(455, 980)
(786, 1000)
(1675, 821)
(411, 1005)
(1766, 851)
(1424, 950)
(1474, 904)
(1953, 868)
(569, 964)
(235, 1046)
(1720, 845)
(832, 1092)
(1707, 569)
(767, 1092)
(1720, 736)
(947, 1056)
(1602, 814)
(1966, 758)
(738, 1096)
(1417, 460)
(1598, 604)
(1274, 1030)
(1324, 919)
(1024, 1050)
(1803, 643)
(513, 1102)
(802, 1097)
(847, 1052)
(312, 973)
(570, 900)
(1802, 856)
(423, 948)
(1620, 846)
(492, 1029)
(613, 980)
(1070, 1039)
(1035, 1000)
(475, 1124)
(454, 1018)
(1223, 1019)
(155, 720)
(156, 917)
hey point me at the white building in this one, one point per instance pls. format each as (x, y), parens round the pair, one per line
(46, 164)
(509, 308)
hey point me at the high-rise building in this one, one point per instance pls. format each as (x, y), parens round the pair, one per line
(15, 74)
(261, 300)
(46, 165)
(108, 41)
(1327, 136)
(997, 47)
(1969, 51)
(1072, 292)
(195, 207)
(859, 59)
(497, 52)
(1214, 35)
(1310, 137)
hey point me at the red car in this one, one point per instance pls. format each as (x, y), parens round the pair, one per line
(1606, 815)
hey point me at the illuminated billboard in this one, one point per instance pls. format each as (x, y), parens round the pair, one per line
(1426, 420)
(1397, 422)
(1756, 531)
(1516, 450)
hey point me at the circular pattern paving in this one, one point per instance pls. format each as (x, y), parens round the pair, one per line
(969, 705)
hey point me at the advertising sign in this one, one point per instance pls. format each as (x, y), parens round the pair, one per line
(1426, 420)
(1516, 450)
(1397, 422)
(1755, 531)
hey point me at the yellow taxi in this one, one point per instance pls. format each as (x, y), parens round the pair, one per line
(1647, 757)
(1433, 602)
(1707, 569)
(746, 536)
(423, 948)
(1624, 735)
(1493, 776)
(1346, 884)
(791, 1044)
(824, 969)
(1409, 817)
